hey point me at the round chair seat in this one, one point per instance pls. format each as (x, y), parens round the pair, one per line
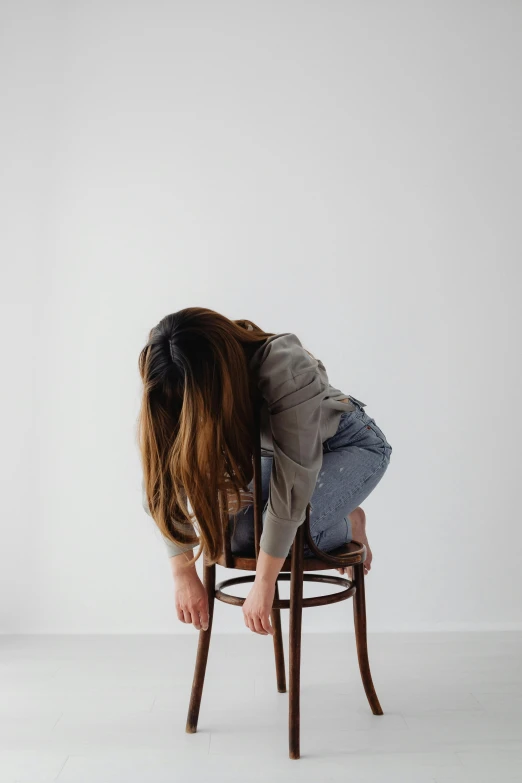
(352, 554)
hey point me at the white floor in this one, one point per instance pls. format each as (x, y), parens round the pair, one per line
(103, 709)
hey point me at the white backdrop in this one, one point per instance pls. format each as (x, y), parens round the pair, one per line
(347, 171)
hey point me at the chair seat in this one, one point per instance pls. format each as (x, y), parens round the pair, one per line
(354, 549)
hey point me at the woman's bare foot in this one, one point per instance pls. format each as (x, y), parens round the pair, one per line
(358, 520)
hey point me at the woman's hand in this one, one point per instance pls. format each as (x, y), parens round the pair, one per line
(190, 595)
(258, 603)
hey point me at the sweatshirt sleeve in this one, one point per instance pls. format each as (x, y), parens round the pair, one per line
(295, 415)
(172, 548)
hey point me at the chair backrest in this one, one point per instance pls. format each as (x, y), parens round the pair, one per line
(257, 493)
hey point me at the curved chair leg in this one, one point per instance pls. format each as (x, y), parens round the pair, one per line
(296, 613)
(359, 616)
(209, 579)
(278, 646)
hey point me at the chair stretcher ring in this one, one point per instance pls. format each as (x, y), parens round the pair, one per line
(284, 603)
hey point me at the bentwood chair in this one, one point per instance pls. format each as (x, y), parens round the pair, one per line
(296, 570)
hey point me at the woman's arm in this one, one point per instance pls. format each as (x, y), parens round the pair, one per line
(185, 526)
(293, 385)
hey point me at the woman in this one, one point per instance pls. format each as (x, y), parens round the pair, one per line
(202, 374)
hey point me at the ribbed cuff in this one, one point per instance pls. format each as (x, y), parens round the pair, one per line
(277, 535)
(175, 549)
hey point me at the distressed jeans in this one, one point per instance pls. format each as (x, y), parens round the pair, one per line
(354, 461)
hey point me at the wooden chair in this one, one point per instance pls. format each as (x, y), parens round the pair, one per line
(295, 570)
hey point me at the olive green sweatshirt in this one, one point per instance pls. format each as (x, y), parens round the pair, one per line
(300, 410)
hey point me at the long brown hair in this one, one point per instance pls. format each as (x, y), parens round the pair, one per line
(196, 423)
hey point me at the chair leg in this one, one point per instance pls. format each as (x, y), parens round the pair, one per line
(278, 646)
(209, 579)
(296, 613)
(359, 616)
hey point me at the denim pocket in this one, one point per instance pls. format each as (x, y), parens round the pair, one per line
(370, 424)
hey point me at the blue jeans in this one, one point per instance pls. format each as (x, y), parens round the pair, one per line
(354, 461)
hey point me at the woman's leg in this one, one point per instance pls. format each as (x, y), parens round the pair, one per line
(354, 461)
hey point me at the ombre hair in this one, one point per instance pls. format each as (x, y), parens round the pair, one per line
(196, 425)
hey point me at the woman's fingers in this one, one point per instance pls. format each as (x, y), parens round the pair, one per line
(265, 622)
(203, 616)
(197, 617)
(257, 607)
(249, 622)
(189, 616)
(200, 614)
(258, 627)
(259, 624)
